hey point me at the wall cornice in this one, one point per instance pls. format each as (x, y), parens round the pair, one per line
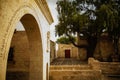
(42, 4)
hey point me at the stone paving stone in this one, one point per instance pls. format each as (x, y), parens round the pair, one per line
(17, 75)
(67, 61)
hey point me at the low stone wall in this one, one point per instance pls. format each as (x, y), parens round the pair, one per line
(112, 68)
(74, 72)
(108, 68)
(94, 64)
(75, 75)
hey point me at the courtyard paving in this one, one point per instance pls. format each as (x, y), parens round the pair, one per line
(73, 61)
(17, 75)
(68, 61)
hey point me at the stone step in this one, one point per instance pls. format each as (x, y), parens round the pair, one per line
(70, 67)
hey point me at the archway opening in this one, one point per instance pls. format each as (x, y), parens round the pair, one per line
(25, 60)
(19, 56)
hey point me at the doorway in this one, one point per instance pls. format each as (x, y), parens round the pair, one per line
(67, 53)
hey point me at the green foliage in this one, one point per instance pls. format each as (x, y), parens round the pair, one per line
(90, 18)
(70, 19)
(64, 40)
(108, 18)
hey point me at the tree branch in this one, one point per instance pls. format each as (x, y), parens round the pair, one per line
(73, 42)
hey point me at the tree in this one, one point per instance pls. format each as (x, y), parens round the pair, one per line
(89, 18)
(64, 40)
(108, 17)
(73, 22)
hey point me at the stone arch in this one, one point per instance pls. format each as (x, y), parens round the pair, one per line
(29, 19)
(35, 45)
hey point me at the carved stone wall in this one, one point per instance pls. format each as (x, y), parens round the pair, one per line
(35, 16)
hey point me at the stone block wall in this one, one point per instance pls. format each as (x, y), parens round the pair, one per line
(21, 52)
(110, 68)
(82, 54)
(19, 68)
(63, 47)
(74, 72)
(94, 64)
(104, 48)
(107, 68)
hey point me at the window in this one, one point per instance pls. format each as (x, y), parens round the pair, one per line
(11, 54)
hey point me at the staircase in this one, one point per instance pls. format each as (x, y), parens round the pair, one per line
(73, 72)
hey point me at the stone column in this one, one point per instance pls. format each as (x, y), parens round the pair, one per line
(36, 62)
(2, 69)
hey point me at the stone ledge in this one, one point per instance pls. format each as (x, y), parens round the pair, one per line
(70, 67)
(45, 10)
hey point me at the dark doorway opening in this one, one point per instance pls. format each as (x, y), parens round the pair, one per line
(67, 53)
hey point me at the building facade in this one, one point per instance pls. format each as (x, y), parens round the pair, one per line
(67, 51)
